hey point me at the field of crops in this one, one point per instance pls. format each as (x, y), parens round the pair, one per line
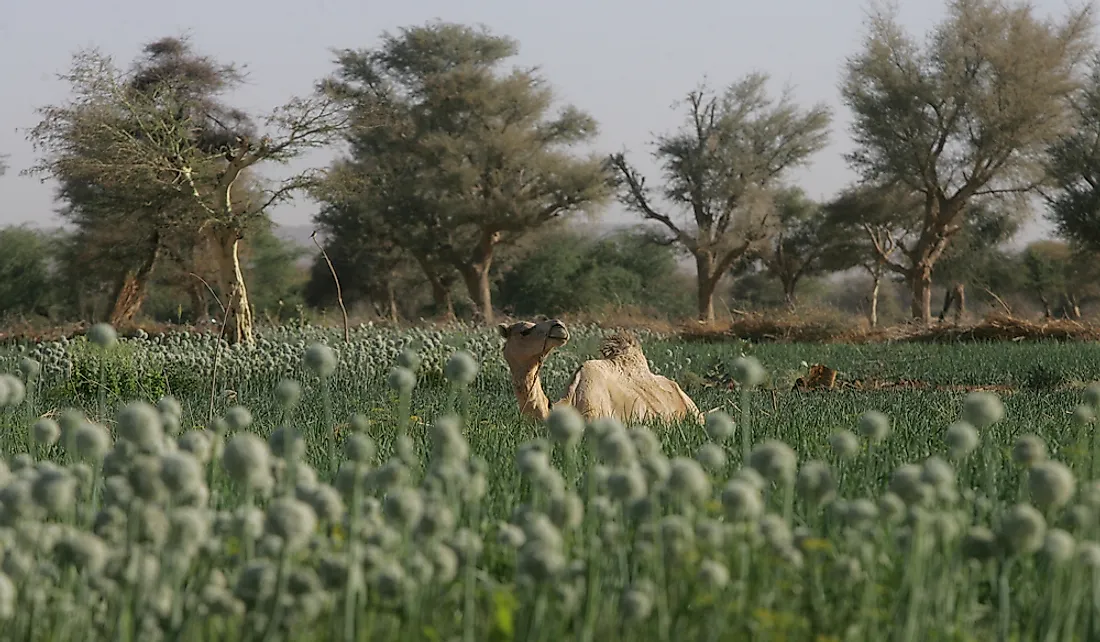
(172, 488)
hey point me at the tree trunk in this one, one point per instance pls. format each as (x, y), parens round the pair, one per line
(132, 290)
(920, 281)
(788, 292)
(441, 297)
(391, 297)
(475, 273)
(876, 285)
(706, 283)
(239, 310)
(200, 309)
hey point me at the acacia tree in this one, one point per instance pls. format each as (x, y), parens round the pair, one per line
(147, 135)
(802, 242)
(482, 159)
(1074, 169)
(719, 168)
(966, 116)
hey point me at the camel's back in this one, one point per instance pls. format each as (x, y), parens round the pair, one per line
(603, 388)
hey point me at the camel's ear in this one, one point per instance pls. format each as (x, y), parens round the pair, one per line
(503, 330)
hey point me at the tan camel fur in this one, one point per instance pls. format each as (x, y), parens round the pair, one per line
(618, 385)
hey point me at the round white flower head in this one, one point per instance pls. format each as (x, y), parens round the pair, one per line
(979, 543)
(102, 335)
(461, 369)
(844, 443)
(83, 551)
(711, 456)
(238, 418)
(540, 562)
(1088, 554)
(532, 460)
(961, 439)
(713, 575)
(749, 476)
(321, 359)
(448, 443)
(409, 359)
(566, 510)
(742, 501)
(565, 425)
(288, 393)
(616, 447)
(891, 507)
(907, 483)
(15, 391)
(1022, 529)
(360, 448)
(689, 480)
(627, 483)
(247, 460)
(55, 491)
(287, 443)
(1092, 394)
(1029, 450)
(938, 474)
(719, 426)
(291, 520)
(748, 372)
(636, 605)
(774, 460)
(181, 473)
(403, 506)
(1051, 484)
(140, 424)
(30, 368)
(1058, 546)
(91, 441)
(657, 469)
(874, 426)
(1084, 415)
(982, 409)
(401, 380)
(444, 562)
(815, 483)
(46, 431)
(169, 405)
(196, 442)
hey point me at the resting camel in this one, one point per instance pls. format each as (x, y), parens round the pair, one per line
(618, 385)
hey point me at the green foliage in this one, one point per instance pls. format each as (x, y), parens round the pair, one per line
(570, 271)
(27, 281)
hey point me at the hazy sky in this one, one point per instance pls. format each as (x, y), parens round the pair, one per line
(625, 62)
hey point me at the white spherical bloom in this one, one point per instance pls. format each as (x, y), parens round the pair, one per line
(750, 477)
(54, 491)
(1051, 484)
(907, 484)
(169, 405)
(565, 425)
(238, 418)
(627, 484)
(247, 460)
(444, 562)
(979, 543)
(540, 562)
(325, 501)
(461, 369)
(83, 551)
(532, 461)
(1058, 546)
(748, 372)
(815, 483)
(141, 424)
(874, 425)
(288, 392)
(616, 448)
(719, 426)
(46, 431)
(408, 358)
(181, 473)
(287, 443)
(689, 480)
(403, 506)
(636, 605)
(982, 409)
(1022, 529)
(360, 448)
(646, 443)
(657, 468)
(1088, 554)
(199, 443)
(742, 501)
(510, 536)
(938, 474)
(566, 510)
(713, 575)
(844, 443)
(774, 460)
(448, 443)
(711, 456)
(1028, 451)
(290, 520)
(321, 359)
(402, 380)
(102, 335)
(961, 439)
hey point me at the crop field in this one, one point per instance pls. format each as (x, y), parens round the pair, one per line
(176, 488)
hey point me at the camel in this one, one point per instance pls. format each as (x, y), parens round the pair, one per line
(619, 385)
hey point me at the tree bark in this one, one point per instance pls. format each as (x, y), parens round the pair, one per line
(239, 316)
(391, 297)
(706, 283)
(920, 281)
(475, 273)
(876, 285)
(130, 294)
(200, 308)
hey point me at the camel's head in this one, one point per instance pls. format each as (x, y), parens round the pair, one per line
(526, 342)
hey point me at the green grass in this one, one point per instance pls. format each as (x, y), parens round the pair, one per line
(825, 581)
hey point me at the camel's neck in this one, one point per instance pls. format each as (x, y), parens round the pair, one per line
(528, 388)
